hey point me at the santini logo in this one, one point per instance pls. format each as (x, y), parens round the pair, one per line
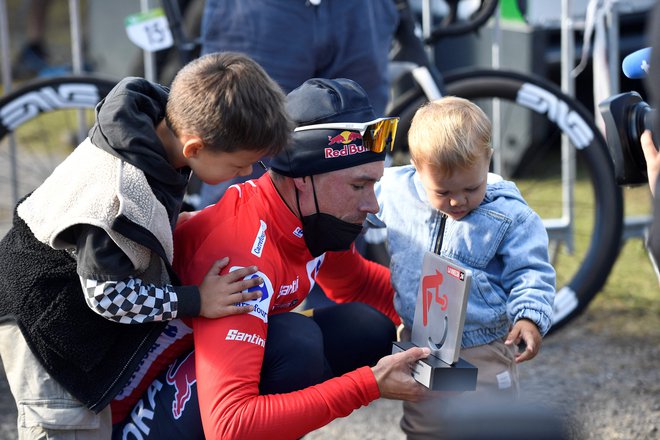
(252, 338)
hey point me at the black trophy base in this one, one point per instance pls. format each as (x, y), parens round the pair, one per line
(438, 375)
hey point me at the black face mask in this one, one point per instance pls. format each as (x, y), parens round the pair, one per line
(324, 232)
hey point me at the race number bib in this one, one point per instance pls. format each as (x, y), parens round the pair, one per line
(149, 30)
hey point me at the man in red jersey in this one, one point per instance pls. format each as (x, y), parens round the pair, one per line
(274, 373)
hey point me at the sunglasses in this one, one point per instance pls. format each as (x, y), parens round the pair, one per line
(377, 135)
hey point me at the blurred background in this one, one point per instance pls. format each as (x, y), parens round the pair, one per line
(609, 350)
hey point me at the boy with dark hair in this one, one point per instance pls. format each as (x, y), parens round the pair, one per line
(103, 220)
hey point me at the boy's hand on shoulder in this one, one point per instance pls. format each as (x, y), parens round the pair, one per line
(219, 294)
(527, 332)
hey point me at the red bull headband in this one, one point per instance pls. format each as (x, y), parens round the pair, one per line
(322, 148)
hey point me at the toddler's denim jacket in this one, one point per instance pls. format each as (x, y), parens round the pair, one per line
(503, 241)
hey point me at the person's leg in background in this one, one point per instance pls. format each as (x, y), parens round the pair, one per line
(33, 57)
(45, 409)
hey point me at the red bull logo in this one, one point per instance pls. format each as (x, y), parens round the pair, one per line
(346, 139)
(430, 292)
(182, 377)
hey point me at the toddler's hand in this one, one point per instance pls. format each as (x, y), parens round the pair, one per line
(526, 331)
(220, 293)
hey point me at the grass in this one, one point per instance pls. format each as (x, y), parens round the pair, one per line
(632, 283)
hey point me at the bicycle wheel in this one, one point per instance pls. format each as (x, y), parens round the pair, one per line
(533, 114)
(40, 124)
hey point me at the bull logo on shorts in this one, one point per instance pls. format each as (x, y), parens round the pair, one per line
(182, 377)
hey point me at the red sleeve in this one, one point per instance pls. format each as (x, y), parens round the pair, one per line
(348, 277)
(228, 374)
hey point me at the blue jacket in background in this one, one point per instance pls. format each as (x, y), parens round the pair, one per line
(503, 241)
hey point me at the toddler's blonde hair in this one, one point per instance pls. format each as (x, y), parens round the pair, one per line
(450, 133)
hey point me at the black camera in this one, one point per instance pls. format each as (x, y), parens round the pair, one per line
(626, 117)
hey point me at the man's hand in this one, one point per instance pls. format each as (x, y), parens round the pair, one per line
(219, 293)
(394, 375)
(652, 158)
(526, 331)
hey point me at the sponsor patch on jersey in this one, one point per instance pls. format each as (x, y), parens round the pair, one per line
(252, 338)
(298, 232)
(313, 267)
(261, 304)
(288, 289)
(260, 240)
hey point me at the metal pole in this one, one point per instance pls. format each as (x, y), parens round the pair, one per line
(148, 57)
(77, 59)
(427, 27)
(613, 46)
(76, 39)
(568, 151)
(7, 86)
(4, 48)
(496, 44)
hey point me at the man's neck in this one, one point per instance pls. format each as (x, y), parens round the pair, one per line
(287, 192)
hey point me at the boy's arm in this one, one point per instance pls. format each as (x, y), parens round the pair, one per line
(113, 289)
(527, 274)
(132, 301)
(123, 297)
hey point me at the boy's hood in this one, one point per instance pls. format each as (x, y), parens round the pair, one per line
(499, 188)
(125, 127)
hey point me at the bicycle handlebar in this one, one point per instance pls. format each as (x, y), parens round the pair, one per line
(450, 26)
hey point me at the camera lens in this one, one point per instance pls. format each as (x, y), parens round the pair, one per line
(626, 117)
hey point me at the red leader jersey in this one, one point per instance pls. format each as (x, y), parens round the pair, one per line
(253, 226)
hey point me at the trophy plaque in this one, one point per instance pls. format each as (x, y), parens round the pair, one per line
(438, 325)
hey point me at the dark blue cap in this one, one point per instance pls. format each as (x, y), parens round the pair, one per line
(325, 101)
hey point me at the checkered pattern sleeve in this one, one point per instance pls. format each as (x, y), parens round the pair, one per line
(130, 301)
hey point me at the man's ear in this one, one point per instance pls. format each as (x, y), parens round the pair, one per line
(302, 183)
(192, 145)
